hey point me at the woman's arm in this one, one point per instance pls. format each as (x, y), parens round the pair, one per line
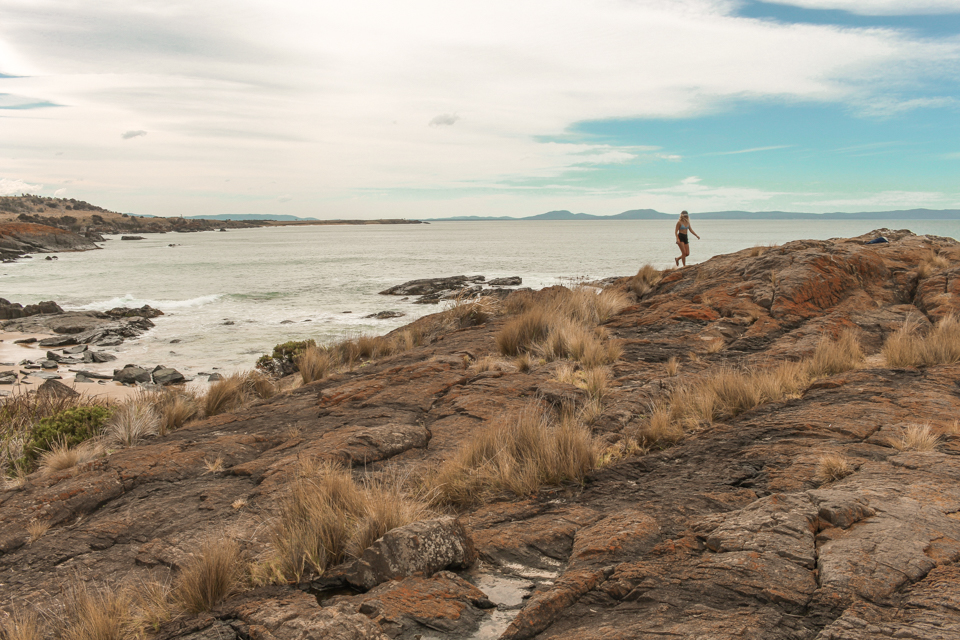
(694, 232)
(676, 232)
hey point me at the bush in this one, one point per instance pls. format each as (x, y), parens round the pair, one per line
(291, 350)
(327, 516)
(519, 454)
(210, 576)
(69, 428)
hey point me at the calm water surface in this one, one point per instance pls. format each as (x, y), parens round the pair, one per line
(287, 283)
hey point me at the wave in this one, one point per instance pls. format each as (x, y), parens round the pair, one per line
(132, 301)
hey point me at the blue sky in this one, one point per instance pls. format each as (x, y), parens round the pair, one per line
(428, 108)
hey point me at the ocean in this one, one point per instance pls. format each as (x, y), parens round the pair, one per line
(229, 297)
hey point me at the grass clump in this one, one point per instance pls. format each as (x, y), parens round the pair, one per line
(96, 614)
(645, 281)
(930, 263)
(214, 573)
(237, 391)
(327, 516)
(835, 356)
(176, 407)
(909, 348)
(832, 467)
(131, 422)
(915, 437)
(22, 624)
(60, 457)
(518, 454)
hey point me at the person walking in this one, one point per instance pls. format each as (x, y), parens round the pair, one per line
(680, 231)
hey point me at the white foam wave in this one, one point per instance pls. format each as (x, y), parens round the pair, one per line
(164, 305)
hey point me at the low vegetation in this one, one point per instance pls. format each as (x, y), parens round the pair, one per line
(215, 572)
(237, 391)
(131, 422)
(909, 347)
(645, 281)
(832, 467)
(561, 324)
(930, 263)
(729, 392)
(915, 437)
(518, 454)
(328, 516)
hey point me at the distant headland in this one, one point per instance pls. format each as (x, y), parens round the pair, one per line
(652, 214)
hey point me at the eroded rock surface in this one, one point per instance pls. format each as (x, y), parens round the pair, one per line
(728, 534)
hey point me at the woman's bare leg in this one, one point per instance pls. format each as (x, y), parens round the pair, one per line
(686, 252)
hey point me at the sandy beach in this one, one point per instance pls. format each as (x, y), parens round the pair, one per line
(11, 354)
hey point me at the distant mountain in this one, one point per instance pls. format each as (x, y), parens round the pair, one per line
(652, 214)
(246, 216)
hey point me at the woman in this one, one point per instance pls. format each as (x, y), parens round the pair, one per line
(683, 225)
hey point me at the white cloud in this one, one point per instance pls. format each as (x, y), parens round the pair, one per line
(879, 7)
(343, 92)
(285, 198)
(10, 187)
(444, 119)
(59, 192)
(751, 150)
(126, 135)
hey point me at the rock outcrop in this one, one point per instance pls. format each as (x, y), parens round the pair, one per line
(728, 533)
(19, 238)
(82, 328)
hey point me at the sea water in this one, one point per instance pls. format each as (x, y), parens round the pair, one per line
(229, 297)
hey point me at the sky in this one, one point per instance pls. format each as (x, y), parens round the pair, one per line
(426, 108)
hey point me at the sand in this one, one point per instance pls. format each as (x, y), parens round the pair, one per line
(12, 354)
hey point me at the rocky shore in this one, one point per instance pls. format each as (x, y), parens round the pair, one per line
(723, 526)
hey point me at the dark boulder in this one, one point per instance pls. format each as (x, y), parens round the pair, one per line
(146, 311)
(511, 281)
(131, 237)
(167, 376)
(131, 374)
(430, 285)
(55, 389)
(8, 377)
(58, 341)
(386, 315)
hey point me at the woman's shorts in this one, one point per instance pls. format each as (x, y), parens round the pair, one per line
(683, 238)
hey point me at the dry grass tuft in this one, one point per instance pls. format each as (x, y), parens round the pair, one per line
(832, 467)
(327, 516)
(525, 362)
(833, 357)
(930, 263)
(96, 613)
(486, 363)
(672, 366)
(210, 576)
(229, 394)
(520, 334)
(22, 624)
(518, 454)
(596, 382)
(154, 606)
(315, 364)
(716, 345)
(61, 457)
(622, 449)
(660, 428)
(239, 503)
(176, 407)
(131, 422)
(213, 466)
(940, 345)
(915, 437)
(645, 281)
(36, 529)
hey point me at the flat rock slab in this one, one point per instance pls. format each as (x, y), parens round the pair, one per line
(428, 286)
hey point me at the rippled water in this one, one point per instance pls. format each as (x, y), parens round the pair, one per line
(286, 283)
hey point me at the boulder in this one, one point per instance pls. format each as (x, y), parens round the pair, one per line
(8, 377)
(167, 376)
(386, 315)
(420, 548)
(214, 377)
(146, 311)
(80, 348)
(131, 374)
(93, 375)
(102, 356)
(49, 364)
(511, 281)
(131, 237)
(56, 389)
(25, 341)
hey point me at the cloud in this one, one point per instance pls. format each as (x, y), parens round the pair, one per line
(14, 102)
(10, 187)
(444, 119)
(285, 198)
(878, 7)
(126, 135)
(59, 192)
(608, 157)
(751, 150)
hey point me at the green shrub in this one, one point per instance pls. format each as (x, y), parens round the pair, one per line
(292, 349)
(70, 427)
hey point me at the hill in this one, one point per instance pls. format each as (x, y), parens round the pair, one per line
(747, 447)
(652, 214)
(247, 217)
